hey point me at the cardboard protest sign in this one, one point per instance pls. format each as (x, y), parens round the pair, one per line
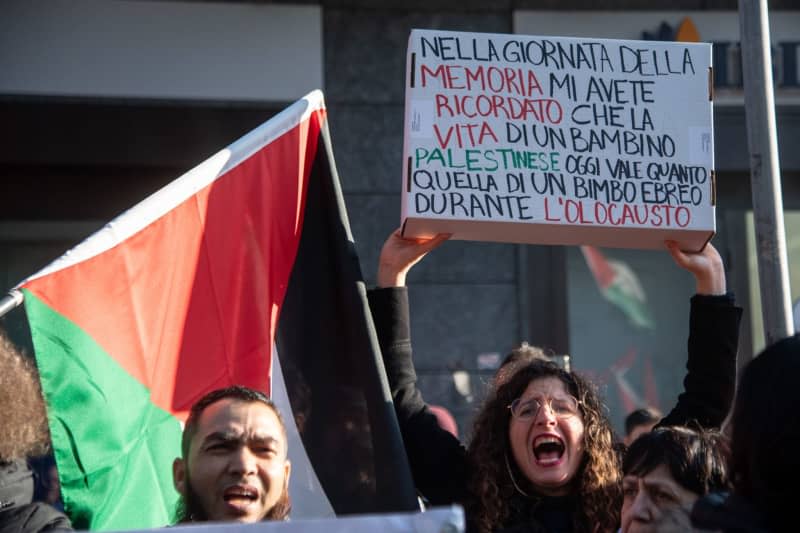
(558, 140)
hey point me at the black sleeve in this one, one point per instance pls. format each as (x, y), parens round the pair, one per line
(711, 367)
(437, 458)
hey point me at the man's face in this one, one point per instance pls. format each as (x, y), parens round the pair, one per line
(655, 502)
(236, 468)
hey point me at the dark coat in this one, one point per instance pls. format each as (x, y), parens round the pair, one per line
(18, 512)
(438, 459)
(727, 513)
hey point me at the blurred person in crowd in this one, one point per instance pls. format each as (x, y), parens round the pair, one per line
(639, 422)
(47, 486)
(517, 357)
(665, 471)
(53, 494)
(765, 436)
(542, 456)
(233, 465)
(23, 433)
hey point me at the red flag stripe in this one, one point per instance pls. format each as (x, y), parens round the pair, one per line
(180, 297)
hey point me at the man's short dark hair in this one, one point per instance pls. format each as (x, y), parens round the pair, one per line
(641, 417)
(697, 460)
(235, 392)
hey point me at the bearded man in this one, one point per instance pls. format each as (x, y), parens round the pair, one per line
(234, 465)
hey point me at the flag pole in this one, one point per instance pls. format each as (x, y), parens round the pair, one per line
(10, 301)
(765, 178)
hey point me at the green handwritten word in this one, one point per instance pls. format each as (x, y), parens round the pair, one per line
(487, 160)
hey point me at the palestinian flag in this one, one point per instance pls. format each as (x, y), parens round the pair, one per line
(190, 291)
(619, 286)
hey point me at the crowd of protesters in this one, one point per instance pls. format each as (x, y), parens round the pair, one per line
(542, 455)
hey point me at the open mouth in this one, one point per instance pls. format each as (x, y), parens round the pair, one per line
(548, 450)
(240, 495)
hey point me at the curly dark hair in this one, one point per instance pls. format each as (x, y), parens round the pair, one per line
(23, 431)
(491, 489)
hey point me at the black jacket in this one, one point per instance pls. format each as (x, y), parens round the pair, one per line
(18, 512)
(728, 513)
(438, 459)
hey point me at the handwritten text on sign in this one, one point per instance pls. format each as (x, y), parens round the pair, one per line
(558, 130)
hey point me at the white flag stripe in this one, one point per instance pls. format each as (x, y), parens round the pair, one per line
(161, 202)
(308, 497)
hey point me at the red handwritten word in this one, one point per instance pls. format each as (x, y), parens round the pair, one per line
(616, 214)
(476, 134)
(544, 110)
(518, 81)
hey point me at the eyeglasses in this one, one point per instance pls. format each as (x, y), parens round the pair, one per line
(561, 407)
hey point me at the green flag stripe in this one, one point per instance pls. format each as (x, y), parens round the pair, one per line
(113, 447)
